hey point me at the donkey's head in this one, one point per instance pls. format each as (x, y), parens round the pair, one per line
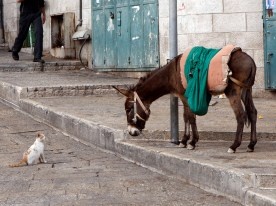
(137, 111)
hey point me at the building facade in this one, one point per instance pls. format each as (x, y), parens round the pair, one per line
(133, 35)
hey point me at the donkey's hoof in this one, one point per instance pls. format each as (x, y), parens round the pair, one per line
(190, 147)
(249, 149)
(231, 151)
(182, 145)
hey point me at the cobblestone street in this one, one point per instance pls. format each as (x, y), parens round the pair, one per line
(76, 174)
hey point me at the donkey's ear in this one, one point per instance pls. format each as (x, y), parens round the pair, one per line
(124, 92)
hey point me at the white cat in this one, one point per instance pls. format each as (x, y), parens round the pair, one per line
(34, 153)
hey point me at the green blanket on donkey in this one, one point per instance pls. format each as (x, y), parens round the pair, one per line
(196, 73)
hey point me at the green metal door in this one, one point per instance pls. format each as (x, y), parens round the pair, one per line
(122, 40)
(151, 35)
(136, 37)
(103, 36)
(97, 40)
(133, 43)
(270, 48)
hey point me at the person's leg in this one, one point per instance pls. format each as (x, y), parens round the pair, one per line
(38, 29)
(24, 24)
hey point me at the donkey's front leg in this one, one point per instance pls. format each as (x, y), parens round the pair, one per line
(190, 120)
(195, 137)
(186, 135)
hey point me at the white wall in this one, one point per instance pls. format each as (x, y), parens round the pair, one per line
(11, 15)
(54, 7)
(208, 23)
(214, 24)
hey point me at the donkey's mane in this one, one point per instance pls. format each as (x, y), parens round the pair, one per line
(149, 75)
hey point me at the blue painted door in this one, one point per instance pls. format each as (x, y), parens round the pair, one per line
(122, 36)
(103, 34)
(270, 48)
(151, 35)
(125, 34)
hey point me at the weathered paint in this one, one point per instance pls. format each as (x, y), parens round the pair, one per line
(270, 49)
(135, 41)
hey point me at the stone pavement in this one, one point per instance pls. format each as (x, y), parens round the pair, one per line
(83, 105)
(77, 174)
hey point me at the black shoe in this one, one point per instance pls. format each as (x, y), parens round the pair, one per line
(15, 56)
(39, 60)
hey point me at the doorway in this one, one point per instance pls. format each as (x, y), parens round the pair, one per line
(125, 35)
(269, 48)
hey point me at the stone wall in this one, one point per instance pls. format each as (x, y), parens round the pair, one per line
(53, 7)
(11, 17)
(64, 6)
(208, 23)
(214, 24)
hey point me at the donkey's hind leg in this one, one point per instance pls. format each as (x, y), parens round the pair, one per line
(252, 117)
(234, 96)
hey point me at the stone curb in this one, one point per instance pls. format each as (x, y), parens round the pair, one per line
(37, 67)
(13, 94)
(234, 184)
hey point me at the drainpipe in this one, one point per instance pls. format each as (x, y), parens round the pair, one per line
(80, 19)
(173, 53)
(2, 21)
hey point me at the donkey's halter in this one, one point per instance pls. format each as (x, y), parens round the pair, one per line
(136, 115)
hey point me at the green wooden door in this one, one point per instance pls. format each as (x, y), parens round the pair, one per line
(270, 49)
(122, 37)
(151, 35)
(125, 34)
(103, 36)
(136, 37)
(98, 41)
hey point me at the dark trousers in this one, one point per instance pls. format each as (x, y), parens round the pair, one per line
(24, 25)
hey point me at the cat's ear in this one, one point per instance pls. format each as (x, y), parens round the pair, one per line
(40, 135)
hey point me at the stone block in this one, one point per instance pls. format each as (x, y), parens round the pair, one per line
(164, 27)
(195, 24)
(234, 6)
(164, 9)
(254, 22)
(259, 57)
(164, 49)
(246, 40)
(203, 7)
(211, 40)
(183, 43)
(259, 79)
(229, 22)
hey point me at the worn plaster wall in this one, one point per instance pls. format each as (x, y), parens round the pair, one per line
(54, 7)
(11, 15)
(217, 23)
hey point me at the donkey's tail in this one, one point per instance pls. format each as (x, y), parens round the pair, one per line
(247, 95)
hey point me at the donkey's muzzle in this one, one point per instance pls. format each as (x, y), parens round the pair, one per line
(133, 131)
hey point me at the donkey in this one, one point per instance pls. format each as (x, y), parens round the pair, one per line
(166, 80)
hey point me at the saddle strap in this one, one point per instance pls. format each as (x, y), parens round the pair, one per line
(239, 83)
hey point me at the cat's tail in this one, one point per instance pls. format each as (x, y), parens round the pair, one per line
(19, 164)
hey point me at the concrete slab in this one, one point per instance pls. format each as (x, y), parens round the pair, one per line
(18, 85)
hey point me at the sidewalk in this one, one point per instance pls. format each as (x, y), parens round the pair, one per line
(84, 105)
